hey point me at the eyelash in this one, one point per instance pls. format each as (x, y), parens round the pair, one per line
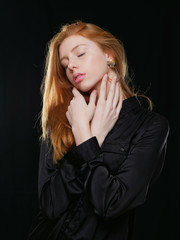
(80, 55)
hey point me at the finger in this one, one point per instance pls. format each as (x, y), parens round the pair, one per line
(119, 106)
(75, 92)
(71, 102)
(102, 94)
(116, 96)
(112, 90)
(92, 100)
(68, 116)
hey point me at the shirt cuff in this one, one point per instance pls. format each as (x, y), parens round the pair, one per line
(85, 152)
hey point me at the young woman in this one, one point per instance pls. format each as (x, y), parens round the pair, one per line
(101, 149)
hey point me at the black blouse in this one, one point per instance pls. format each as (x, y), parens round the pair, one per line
(92, 193)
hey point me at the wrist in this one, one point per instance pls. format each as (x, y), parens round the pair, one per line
(100, 138)
(81, 133)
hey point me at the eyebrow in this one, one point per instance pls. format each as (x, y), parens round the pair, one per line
(74, 49)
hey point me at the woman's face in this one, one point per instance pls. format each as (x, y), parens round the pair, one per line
(84, 62)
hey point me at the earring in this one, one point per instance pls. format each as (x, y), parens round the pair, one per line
(109, 79)
(111, 63)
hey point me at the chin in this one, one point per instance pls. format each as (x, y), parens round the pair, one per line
(87, 86)
(85, 89)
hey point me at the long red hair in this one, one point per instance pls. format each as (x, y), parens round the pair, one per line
(57, 90)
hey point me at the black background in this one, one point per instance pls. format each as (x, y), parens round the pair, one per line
(149, 32)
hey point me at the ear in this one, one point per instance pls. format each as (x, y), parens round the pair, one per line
(108, 57)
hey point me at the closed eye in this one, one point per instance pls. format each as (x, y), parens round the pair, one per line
(81, 54)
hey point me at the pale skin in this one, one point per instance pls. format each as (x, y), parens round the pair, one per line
(98, 115)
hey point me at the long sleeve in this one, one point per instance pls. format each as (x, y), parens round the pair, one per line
(113, 194)
(58, 183)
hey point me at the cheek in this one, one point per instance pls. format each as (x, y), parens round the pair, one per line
(98, 66)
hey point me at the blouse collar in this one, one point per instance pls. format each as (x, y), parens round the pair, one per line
(129, 104)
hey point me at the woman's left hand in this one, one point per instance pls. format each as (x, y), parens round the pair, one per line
(79, 112)
(107, 109)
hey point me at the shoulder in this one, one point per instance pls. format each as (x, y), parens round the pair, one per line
(158, 120)
(143, 105)
(156, 125)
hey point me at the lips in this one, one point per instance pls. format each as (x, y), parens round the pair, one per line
(77, 77)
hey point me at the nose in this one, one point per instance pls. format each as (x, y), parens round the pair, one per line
(72, 65)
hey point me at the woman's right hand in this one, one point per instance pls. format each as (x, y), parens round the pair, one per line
(107, 109)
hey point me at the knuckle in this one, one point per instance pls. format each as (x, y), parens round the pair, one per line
(111, 108)
(101, 103)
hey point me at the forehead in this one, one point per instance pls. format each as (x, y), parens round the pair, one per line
(70, 42)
